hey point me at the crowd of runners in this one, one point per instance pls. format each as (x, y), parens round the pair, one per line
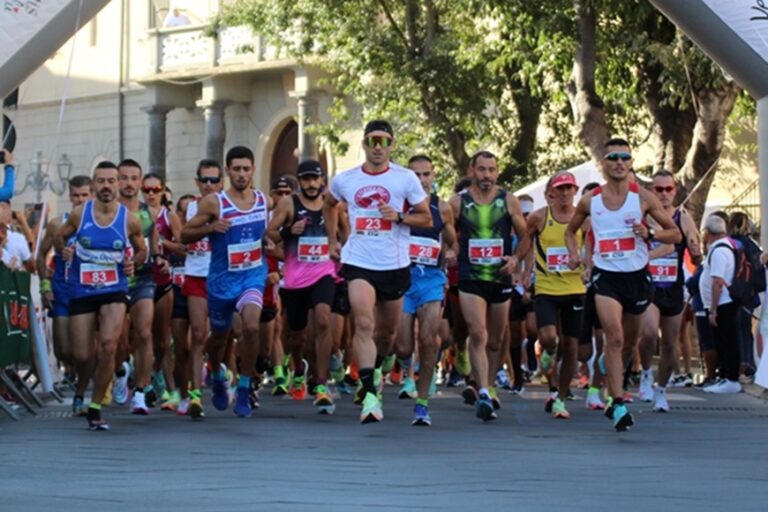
(323, 288)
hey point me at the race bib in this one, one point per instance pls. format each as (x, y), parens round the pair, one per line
(129, 252)
(486, 251)
(424, 251)
(313, 249)
(663, 270)
(557, 259)
(617, 245)
(177, 276)
(244, 256)
(93, 274)
(199, 248)
(370, 223)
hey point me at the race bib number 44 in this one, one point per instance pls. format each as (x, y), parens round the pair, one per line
(663, 270)
(425, 251)
(313, 249)
(244, 256)
(370, 223)
(93, 274)
(616, 245)
(486, 252)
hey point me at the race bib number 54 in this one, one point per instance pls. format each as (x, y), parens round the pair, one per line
(244, 256)
(486, 251)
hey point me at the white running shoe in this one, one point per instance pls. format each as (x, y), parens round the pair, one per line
(645, 393)
(593, 400)
(138, 404)
(725, 386)
(183, 407)
(120, 391)
(660, 401)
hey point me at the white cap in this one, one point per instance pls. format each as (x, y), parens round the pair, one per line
(526, 206)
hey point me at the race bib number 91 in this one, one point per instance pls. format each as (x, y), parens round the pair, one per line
(486, 251)
(244, 256)
(663, 270)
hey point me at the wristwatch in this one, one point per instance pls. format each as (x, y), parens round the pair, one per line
(400, 217)
(651, 234)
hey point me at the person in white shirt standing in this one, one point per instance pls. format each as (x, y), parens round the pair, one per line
(14, 248)
(716, 277)
(375, 257)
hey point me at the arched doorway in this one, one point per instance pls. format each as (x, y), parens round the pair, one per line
(285, 157)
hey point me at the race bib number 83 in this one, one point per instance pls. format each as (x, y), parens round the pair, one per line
(93, 274)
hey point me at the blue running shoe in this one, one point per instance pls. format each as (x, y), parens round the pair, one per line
(242, 402)
(484, 408)
(220, 394)
(421, 416)
(622, 419)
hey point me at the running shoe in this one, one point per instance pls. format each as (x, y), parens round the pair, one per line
(421, 416)
(627, 397)
(461, 362)
(159, 384)
(196, 404)
(253, 394)
(469, 395)
(138, 403)
(502, 379)
(559, 411)
(408, 389)
(298, 389)
(220, 394)
(242, 406)
(517, 389)
(150, 396)
(183, 407)
(608, 411)
(484, 408)
(724, 386)
(280, 388)
(388, 363)
(547, 360)
(78, 406)
(337, 368)
(493, 394)
(95, 422)
(583, 382)
(120, 389)
(660, 401)
(530, 352)
(622, 419)
(172, 402)
(455, 380)
(396, 374)
(549, 402)
(593, 399)
(343, 388)
(323, 400)
(645, 391)
(372, 411)
(706, 383)
(682, 380)
(108, 393)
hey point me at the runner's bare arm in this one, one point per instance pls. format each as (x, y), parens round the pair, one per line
(281, 218)
(520, 226)
(46, 244)
(137, 241)
(692, 239)
(449, 227)
(201, 225)
(579, 216)
(343, 222)
(669, 233)
(67, 229)
(174, 246)
(418, 217)
(331, 220)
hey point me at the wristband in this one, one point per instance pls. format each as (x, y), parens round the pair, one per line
(45, 286)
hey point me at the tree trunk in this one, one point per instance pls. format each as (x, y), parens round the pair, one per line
(528, 108)
(590, 125)
(714, 107)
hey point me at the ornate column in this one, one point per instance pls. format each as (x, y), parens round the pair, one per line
(307, 115)
(156, 157)
(215, 129)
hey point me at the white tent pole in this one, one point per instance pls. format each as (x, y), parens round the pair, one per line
(762, 159)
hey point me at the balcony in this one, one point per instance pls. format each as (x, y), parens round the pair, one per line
(191, 51)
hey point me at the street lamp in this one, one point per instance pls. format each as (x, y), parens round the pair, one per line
(39, 181)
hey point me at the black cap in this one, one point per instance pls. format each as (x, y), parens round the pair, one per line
(378, 125)
(309, 168)
(282, 182)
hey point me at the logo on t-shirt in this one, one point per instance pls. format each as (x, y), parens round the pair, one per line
(371, 196)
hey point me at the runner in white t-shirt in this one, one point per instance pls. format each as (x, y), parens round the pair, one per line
(375, 256)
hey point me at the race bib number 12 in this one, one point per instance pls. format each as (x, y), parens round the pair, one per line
(486, 251)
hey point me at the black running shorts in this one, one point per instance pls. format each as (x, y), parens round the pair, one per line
(298, 302)
(389, 284)
(567, 311)
(633, 290)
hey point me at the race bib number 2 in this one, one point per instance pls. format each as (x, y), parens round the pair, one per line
(486, 251)
(370, 223)
(616, 245)
(244, 256)
(313, 249)
(93, 274)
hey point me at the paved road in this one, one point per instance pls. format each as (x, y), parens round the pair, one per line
(710, 453)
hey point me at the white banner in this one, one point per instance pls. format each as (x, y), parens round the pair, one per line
(747, 18)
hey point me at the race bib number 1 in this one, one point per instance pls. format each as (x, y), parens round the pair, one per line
(244, 256)
(424, 251)
(313, 249)
(616, 245)
(486, 251)
(557, 259)
(663, 270)
(93, 274)
(370, 223)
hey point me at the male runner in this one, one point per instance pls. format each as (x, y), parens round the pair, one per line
(375, 256)
(486, 215)
(235, 222)
(620, 276)
(98, 285)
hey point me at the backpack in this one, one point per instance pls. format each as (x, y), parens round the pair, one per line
(753, 253)
(744, 287)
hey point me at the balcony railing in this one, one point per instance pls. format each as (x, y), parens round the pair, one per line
(185, 50)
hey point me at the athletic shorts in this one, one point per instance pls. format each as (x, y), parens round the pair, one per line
(221, 311)
(427, 285)
(564, 310)
(143, 289)
(340, 304)
(491, 292)
(590, 321)
(60, 306)
(195, 287)
(298, 302)
(161, 290)
(92, 304)
(633, 290)
(670, 300)
(180, 307)
(389, 284)
(518, 309)
(268, 314)
(706, 331)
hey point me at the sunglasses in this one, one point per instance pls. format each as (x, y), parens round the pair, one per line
(615, 157)
(152, 190)
(375, 140)
(668, 189)
(210, 180)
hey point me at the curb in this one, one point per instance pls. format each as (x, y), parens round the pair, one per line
(756, 391)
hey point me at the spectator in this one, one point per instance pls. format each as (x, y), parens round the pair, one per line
(740, 230)
(6, 191)
(176, 18)
(716, 277)
(14, 248)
